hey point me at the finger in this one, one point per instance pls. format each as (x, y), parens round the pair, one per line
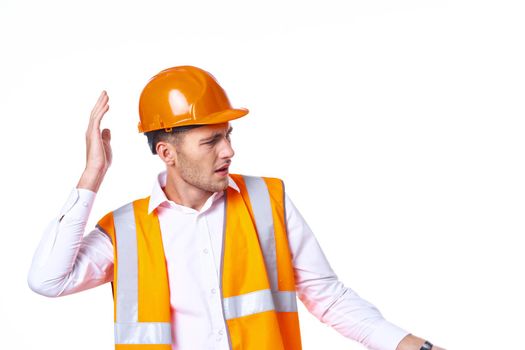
(98, 118)
(106, 135)
(94, 121)
(103, 96)
(102, 101)
(97, 109)
(98, 112)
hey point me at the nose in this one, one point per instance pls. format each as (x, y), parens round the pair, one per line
(226, 151)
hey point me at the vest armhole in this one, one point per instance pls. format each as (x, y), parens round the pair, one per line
(101, 229)
(107, 226)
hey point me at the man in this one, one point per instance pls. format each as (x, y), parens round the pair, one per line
(210, 260)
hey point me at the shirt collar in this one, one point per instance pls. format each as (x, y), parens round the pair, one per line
(158, 196)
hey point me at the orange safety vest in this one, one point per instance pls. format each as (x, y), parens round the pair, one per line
(258, 287)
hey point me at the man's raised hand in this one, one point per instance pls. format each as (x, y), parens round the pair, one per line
(98, 148)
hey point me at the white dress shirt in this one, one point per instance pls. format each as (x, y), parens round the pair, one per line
(66, 262)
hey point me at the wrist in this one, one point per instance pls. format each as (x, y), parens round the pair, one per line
(410, 342)
(91, 179)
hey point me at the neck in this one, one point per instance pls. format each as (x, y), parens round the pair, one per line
(183, 193)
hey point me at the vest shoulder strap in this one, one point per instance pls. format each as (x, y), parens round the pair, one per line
(107, 223)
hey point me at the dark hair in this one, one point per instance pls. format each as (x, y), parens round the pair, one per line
(173, 136)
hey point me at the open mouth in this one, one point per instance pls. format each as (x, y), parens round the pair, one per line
(223, 170)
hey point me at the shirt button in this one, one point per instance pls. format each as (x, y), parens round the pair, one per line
(205, 251)
(213, 291)
(84, 204)
(221, 332)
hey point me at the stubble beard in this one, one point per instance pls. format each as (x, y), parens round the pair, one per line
(190, 172)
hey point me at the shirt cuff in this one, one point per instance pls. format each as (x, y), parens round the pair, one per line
(386, 336)
(78, 205)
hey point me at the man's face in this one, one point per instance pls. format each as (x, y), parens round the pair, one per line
(204, 155)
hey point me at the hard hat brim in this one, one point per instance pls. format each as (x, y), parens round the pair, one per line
(220, 117)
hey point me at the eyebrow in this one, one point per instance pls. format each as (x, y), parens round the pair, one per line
(215, 135)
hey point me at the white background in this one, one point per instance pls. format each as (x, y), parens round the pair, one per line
(396, 125)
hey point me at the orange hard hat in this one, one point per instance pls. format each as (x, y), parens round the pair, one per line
(181, 96)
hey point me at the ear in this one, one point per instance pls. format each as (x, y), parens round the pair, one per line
(166, 152)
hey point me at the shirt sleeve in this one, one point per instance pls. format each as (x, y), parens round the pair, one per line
(327, 298)
(65, 261)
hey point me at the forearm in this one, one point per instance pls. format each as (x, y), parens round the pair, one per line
(327, 298)
(349, 314)
(91, 179)
(64, 262)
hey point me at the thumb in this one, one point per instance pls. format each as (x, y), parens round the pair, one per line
(106, 135)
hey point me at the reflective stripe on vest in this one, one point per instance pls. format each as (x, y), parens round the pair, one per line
(259, 301)
(262, 212)
(128, 330)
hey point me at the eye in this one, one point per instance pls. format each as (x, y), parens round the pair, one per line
(212, 141)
